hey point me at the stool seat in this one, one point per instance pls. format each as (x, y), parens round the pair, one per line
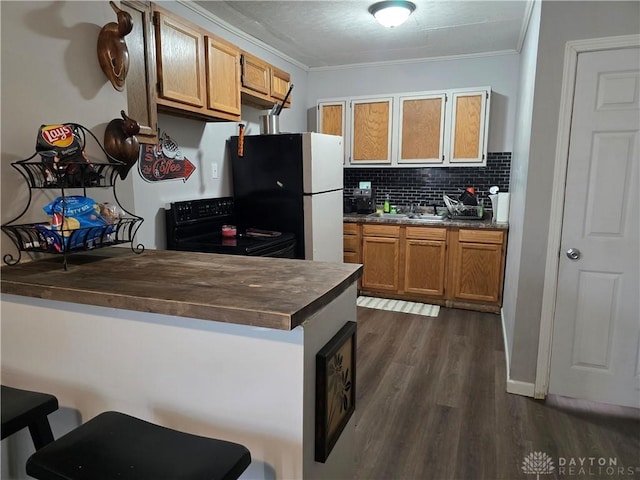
(113, 445)
(24, 408)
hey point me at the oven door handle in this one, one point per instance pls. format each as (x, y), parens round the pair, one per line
(289, 247)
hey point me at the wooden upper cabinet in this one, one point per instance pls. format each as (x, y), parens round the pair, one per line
(371, 130)
(422, 129)
(263, 85)
(198, 73)
(468, 143)
(141, 78)
(255, 74)
(331, 120)
(280, 83)
(223, 76)
(434, 128)
(180, 59)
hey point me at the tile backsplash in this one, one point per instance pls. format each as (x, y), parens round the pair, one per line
(427, 184)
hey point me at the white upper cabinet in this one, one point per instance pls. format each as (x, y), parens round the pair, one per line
(421, 134)
(332, 120)
(435, 128)
(371, 130)
(468, 127)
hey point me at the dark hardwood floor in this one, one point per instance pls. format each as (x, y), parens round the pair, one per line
(432, 404)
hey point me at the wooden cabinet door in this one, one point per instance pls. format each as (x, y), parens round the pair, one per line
(380, 259)
(332, 121)
(371, 130)
(425, 260)
(280, 82)
(180, 60)
(468, 129)
(478, 266)
(422, 129)
(255, 74)
(331, 118)
(350, 257)
(141, 78)
(351, 243)
(223, 76)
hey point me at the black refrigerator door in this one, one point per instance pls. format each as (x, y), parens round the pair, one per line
(268, 185)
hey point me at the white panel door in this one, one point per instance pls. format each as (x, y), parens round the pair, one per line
(596, 336)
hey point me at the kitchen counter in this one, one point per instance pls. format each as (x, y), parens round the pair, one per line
(265, 292)
(183, 340)
(480, 224)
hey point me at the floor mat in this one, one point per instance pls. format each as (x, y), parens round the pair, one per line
(402, 306)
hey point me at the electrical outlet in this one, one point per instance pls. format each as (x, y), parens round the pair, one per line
(214, 170)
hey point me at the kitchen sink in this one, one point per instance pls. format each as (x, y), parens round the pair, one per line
(387, 215)
(412, 217)
(426, 217)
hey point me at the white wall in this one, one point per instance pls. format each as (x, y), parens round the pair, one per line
(499, 72)
(192, 375)
(519, 169)
(560, 22)
(250, 385)
(50, 74)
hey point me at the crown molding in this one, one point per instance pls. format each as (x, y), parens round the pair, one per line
(207, 15)
(525, 24)
(416, 60)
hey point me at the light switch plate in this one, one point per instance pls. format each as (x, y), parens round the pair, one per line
(214, 170)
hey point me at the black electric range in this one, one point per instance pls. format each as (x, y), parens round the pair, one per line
(196, 226)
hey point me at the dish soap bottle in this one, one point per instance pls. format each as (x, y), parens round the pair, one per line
(386, 204)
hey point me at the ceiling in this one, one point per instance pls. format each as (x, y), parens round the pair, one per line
(328, 33)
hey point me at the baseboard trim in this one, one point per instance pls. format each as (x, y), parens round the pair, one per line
(526, 389)
(517, 387)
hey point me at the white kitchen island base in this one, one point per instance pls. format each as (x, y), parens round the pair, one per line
(250, 385)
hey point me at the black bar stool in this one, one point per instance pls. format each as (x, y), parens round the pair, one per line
(24, 408)
(113, 446)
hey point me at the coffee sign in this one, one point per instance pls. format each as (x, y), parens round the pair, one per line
(164, 161)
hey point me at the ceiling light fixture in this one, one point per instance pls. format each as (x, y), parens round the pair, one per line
(392, 13)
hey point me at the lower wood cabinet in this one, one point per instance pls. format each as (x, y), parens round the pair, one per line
(380, 257)
(477, 265)
(451, 266)
(351, 243)
(425, 261)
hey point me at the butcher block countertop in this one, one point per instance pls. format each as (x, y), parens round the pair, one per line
(258, 291)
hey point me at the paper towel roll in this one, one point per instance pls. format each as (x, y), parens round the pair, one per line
(503, 208)
(494, 207)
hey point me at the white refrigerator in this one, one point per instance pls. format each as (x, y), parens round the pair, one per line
(291, 183)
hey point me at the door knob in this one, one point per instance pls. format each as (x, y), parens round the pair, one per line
(573, 253)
